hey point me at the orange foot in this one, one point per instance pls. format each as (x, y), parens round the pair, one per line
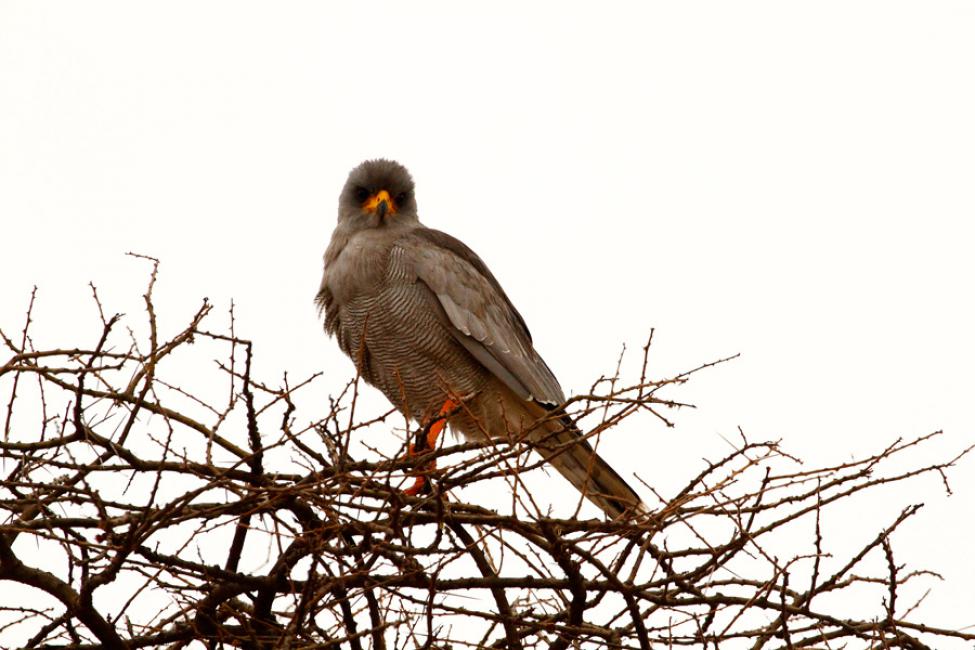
(428, 443)
(419, 486)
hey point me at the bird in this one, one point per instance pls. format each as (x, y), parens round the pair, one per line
(427, 323)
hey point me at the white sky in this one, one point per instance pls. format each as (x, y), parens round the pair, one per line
(791, 181)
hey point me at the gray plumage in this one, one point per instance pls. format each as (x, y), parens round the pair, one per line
(425, 320)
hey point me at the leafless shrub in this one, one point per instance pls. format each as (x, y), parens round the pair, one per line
(144, 514)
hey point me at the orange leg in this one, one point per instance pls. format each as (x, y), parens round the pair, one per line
(429, 443)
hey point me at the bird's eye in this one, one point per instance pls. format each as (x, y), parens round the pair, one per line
(401, 198)
(361, 194)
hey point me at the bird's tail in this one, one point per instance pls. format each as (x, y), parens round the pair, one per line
(561, 443)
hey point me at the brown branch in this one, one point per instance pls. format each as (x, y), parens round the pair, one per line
(245, 521)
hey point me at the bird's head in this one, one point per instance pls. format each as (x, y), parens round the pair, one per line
(378, 193)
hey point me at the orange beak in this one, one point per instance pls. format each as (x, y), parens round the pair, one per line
(380, 202)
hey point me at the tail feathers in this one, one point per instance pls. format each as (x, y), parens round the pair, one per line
(567, 451)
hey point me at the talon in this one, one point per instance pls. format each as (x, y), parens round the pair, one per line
(419, 486)
(426, 444)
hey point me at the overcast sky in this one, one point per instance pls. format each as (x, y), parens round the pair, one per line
(788, 181)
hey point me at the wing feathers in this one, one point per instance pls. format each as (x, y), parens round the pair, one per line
(481, 316)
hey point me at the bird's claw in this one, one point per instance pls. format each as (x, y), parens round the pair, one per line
(420, 486)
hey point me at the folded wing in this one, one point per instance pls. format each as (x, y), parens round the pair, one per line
(480, 315)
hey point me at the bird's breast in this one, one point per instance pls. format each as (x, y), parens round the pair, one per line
(358, 271)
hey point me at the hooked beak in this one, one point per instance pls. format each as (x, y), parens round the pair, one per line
(381, 203)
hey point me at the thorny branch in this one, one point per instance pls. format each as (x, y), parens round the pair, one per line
(143, 514)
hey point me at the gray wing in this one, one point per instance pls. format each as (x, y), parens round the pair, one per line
(481, 316)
